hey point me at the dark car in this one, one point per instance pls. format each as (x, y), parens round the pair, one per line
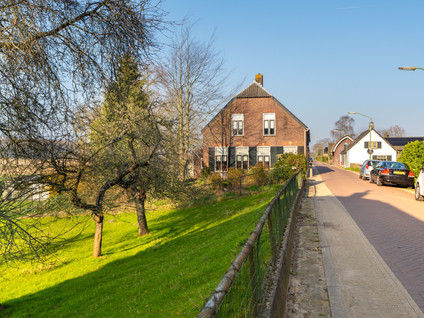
(367, 166)
(392, 172)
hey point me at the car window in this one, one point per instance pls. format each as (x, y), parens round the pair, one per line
(398, 165)
(374, 163)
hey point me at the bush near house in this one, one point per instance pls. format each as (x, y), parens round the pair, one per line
(259, 175)
(233, 176)
(413, 156)
(287, 164)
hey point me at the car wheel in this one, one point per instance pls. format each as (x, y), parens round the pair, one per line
(418, 196)
(360, 176)
(371, 179)
(379, 182)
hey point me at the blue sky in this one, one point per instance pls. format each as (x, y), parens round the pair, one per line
(322, 59)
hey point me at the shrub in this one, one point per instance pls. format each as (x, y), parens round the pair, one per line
(287, 164)
(215, 181)
(413, 156)
(205, 172)
(259, 175)
(233, 176)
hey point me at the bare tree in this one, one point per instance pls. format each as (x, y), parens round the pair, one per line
(192, 77)
(343, 127)
(129, 110)
(393, 131)
(56, 55)
(319, 146)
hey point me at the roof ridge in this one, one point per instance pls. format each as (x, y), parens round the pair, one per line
(249, 86)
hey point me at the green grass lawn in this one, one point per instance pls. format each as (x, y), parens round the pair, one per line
(168, 273)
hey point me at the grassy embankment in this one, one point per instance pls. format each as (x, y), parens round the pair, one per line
(168, 273)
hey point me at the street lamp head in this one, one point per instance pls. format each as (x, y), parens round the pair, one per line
(351, 112)
(407, 68)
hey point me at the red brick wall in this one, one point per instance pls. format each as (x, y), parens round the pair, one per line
(288, 132)
(338, 150)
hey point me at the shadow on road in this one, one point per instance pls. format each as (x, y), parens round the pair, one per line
(322, 169)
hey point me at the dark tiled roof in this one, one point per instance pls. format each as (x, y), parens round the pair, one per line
(363, 134)
(358, 139)
(402, 141)
(254, 90)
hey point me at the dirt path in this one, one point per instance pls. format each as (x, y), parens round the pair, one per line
(308, 295)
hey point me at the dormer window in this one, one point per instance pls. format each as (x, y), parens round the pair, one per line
(237, 124)
(269, 124)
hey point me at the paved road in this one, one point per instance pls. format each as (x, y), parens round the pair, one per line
(390, 218)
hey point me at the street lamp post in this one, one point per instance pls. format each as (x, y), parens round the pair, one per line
(409, 68)
(370, 151)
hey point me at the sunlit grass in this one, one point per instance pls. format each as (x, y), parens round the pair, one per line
(168, 273)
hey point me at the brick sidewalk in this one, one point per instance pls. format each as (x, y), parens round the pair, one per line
(360, 284)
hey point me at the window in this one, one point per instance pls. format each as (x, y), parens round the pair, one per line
(264, 161)
(269, 124)
(382, 157)
(221, 158)
(237, 124)
(242, 158)
(264, 156)
(372, 145)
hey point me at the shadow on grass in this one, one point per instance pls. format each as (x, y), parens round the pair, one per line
(171, 278)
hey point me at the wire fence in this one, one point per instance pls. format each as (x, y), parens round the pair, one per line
(241, 291)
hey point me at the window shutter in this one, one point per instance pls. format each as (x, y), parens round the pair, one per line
(301, 149)
(252, 156)
(366, 144)
(379, 145)
(389, 158)
(232, 157)
(273, 155)
(211, 159)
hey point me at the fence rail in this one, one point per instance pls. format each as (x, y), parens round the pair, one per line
(241, 290)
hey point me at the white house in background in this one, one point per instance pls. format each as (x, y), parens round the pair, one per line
(381, 149)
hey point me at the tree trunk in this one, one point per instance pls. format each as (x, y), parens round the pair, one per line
(140, 199)
(97, 248)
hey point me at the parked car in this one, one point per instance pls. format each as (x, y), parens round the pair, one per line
(392, 172)
(367, 166)
(419, 186)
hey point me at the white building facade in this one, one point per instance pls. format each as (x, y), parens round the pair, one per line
(373, 141)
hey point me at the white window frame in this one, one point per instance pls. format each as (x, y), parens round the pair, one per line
(373, 145)
(268, 120)
(264, 156)
(237, 124)
(221, 156)
(242, 155)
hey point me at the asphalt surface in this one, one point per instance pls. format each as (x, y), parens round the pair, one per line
(390, 219)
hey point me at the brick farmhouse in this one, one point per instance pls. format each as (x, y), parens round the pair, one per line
(253, 127)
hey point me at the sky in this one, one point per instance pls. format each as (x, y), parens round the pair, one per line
(321, 59)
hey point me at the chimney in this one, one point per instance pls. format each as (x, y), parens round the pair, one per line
(259, 78)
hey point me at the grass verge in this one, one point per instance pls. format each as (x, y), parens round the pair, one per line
(168, 273)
